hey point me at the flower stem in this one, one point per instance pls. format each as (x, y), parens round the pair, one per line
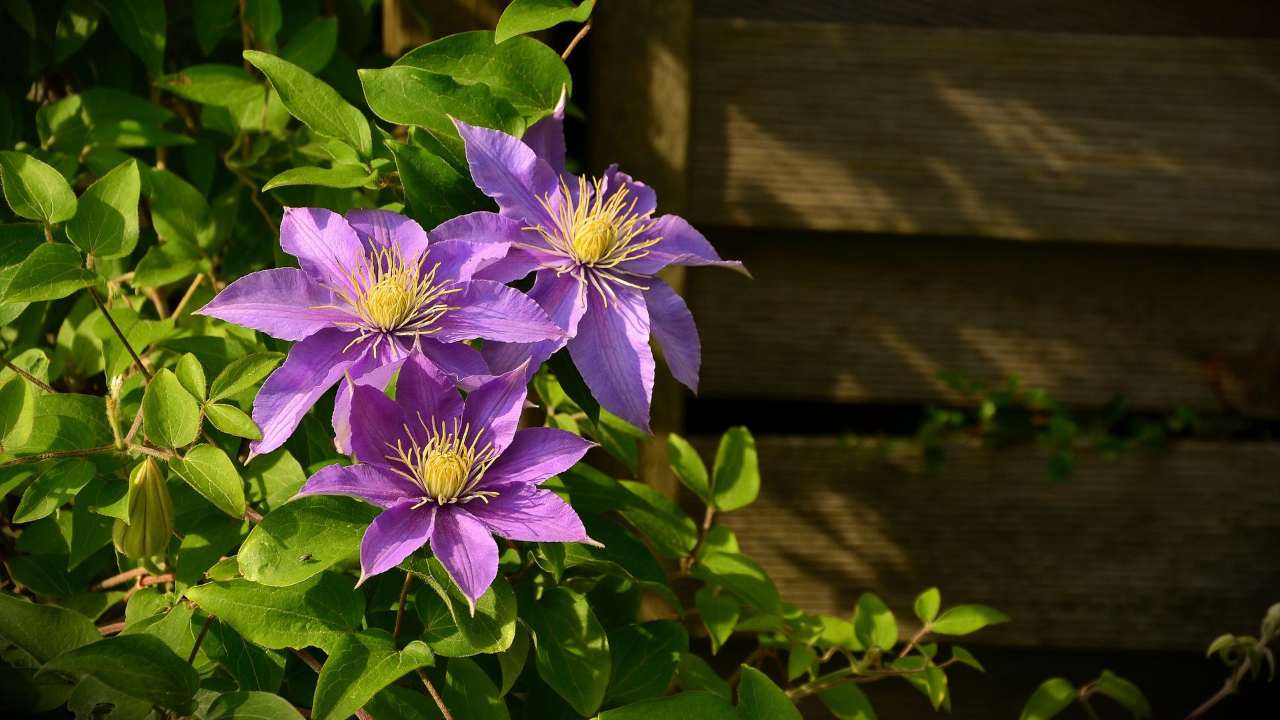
(116, 328)
(29, 377)
(204, 630)
(435, 695)
(404, 593)
(60, 454)
(586, 28)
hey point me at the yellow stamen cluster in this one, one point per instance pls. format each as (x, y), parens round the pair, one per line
(595, 231)
(448, 466)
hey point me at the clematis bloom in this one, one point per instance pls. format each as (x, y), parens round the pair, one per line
(596, 247)
(452, 473)
(370, 288)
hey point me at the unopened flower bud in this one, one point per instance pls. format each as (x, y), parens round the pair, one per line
(150, 513)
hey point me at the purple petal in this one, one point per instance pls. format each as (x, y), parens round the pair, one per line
(646, 200)
(284, 303)
(466, 549)
(384, 229)
(424, 392)
(371, 370)
(325, 245)
(611, 351)
(377, 424)
(546, 137)
(510, 172)
(681, 244)
(672, 325)
(494, 408)
(458, 260)
(564, 301)
(366, 482)
(531, 514)
(312, 367)
(490, 310)
(536, 454)
(487, 227)
(394, 535)
(456, 360)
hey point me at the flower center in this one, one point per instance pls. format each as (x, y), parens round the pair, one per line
(447, 465)
(594, 231)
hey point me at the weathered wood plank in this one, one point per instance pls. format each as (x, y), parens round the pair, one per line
(407, 24)
(1026, 135)
(1148, 551)
(876, 319)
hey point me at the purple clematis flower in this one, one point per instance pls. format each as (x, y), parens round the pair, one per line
(452, 473)
(596, 247)
(370, 288)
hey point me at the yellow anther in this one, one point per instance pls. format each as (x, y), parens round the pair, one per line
(593, 230)
(447, 466)
(593, 239)
(444, 474)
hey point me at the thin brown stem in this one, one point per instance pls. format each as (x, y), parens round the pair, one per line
(435, 695)
(120, 579)
(116, 328)
(29, 377)
(1227, 690)
(404, 593)
(133, 429)
(150, 580)
(586, 28)
(154, 452)
(48, 232)
(111, 628)
(204, 630)
(186, 297)
(924, 630)
(60, 454)
(708, 517)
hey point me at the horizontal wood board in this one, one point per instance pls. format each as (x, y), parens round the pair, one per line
(999, 133)
(875, 319)
(1158, 551)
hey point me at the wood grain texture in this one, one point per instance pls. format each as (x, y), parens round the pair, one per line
(876, 319)
(407, 24)
(1025, 135)
(1148, 551)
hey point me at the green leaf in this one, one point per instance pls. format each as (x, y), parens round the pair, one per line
(737, 471)
(407, 95)
(435, 190)
(171, 417)
(450, 627)
(273, 479)
(209, 471)
(672, 532)
(211, 19)
(34, 190)
(141, 25)
(164, 264)
(964, 619)
(319, 611)
(760, 699)
(50, 272)
(688, 467)
(232, 420)
(178, 210)
(522, 71)
(529, 16)
(265, 18)
(685, 706)
(139, 665)
(571, 651)
(106, 223)
(219, 85)
(312, 46)
(801, 659)
(741, 576)
(719, 614)
(927, 604)
(873, 623)
(645, 658)
(695, 674)
(251, 705)
(1052, 697)
(847, 702)
(317, 105)
(44, 631)
(1124, 692)
(965, 657)
(511, 661)
(56, 483)
(469, 693)
(17, 412)
(339, 176)
(79, 20)
(249, 665)
(130, 133)
(212, 536)
(301, 538)
(191, 374)
(361, 664)
(243, 374)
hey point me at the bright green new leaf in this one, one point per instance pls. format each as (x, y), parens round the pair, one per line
(964, 619)
(688, 467)
(171, 416)
(35, 190)
(684, 706)
(251, 705)
(361, 664)
(927, 604)
(873, 623)
(17, 413)
(408, 95)
(313, 102)
(741, 576)
(339, 176)
(106, 223)
(139, 665)
(252, 667)
(232, 420)
(304, 537)
(760, 699)
(56, 482)
(719, 614)
(219, 85)
(243, 374)
(209, 471)
(571, 651)
(191, 374)
(645, 657)
(964, 657)
(847, 702)
(312, 46)
(736, 477)
(44, 631)
(319, 611)
(141, 25)
(529, 16)
(1052, 697)
(1123, 692)
(801, 659)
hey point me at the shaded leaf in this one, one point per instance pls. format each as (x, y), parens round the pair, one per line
(139, 665)
(35, 190)
(317, 105)
(737, 470)
(360, 664)
(571, 651)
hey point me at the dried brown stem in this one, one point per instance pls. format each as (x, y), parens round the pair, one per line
(29, 377)
(120, 579)
(586, 28)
